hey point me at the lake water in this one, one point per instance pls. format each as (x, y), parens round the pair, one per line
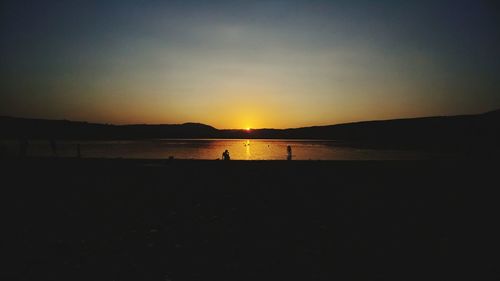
(239, 149)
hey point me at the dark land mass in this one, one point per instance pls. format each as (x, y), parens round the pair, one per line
(91, 219)
(463, 132)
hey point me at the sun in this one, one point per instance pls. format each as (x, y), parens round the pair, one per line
(248, 129)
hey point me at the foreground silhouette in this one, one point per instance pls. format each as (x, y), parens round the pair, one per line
(23, 148)
(225, 155)
(266, 220)
(53, 147)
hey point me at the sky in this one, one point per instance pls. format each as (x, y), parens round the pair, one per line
(248, 64)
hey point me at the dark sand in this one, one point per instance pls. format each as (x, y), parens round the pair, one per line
(69, 219)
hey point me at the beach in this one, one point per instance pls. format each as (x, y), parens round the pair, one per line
(118, 219)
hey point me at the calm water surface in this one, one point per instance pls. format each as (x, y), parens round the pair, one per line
(253, 149)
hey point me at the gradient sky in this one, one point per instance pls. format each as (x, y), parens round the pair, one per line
(238, 64)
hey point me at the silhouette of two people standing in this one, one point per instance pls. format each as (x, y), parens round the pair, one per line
(225, 155)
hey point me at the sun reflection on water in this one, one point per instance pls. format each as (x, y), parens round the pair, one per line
(211, 149)
(247, 150)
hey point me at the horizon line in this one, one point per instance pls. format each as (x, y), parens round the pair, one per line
(246, 129)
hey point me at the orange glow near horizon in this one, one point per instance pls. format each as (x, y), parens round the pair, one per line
(247, 117)
(248, 65)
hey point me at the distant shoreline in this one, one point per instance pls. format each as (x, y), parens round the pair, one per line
(463, 133)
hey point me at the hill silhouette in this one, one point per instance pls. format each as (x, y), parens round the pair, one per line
(14, 128)
(441, 132)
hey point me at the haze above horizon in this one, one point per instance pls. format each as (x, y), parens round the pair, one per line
(248, 64)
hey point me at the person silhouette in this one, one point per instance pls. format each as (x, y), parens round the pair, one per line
(225, 155)
(289, 153)
(53, 146)
(78, 151)
(23, 148)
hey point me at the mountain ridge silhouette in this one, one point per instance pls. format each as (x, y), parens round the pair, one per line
(435, 132)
